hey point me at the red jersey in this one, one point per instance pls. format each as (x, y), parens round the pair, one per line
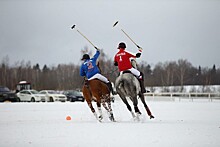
(123, 60)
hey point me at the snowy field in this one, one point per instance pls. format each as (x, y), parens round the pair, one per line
(176, 124)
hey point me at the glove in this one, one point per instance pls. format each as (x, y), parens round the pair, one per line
(138, 55)
(97, 48)
(116, 63)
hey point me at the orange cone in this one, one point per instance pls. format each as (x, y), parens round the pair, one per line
(68, 118)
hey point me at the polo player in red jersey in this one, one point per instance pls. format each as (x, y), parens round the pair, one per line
(122, 60)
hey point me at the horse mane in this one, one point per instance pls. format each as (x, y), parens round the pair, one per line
(134, 63)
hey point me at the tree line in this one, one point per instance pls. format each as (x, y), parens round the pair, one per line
(66, 76)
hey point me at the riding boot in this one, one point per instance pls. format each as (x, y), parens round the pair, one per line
(109, 84)
(141, 81)
(143, 90)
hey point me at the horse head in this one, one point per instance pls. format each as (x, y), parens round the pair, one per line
(134, 63)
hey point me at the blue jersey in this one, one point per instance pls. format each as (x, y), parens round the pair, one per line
(89, 67)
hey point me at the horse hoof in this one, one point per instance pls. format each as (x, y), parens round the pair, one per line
(112, 119)
(100, 117)
(151, 117)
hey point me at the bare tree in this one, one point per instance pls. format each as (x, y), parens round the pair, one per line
(182, 69)
(170, 70)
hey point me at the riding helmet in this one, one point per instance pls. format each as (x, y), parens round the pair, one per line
(121, 45)
(85, 56)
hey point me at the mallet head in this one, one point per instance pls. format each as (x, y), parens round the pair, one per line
(73, 27)
(115, 23)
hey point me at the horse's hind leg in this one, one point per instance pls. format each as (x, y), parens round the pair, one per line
(92, 109)
(135, 103)
(88, 97)
(137, 111)
(123, 98)
(100, 117)
(145, 105)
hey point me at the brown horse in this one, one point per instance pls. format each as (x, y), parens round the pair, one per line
(98, 91)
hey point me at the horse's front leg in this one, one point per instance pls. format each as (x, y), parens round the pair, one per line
(111, 116)
(106, 99)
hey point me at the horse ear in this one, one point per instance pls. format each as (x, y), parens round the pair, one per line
(134, 63)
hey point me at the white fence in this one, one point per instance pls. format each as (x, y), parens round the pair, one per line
(191, 96)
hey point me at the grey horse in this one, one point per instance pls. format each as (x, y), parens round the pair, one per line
(127, 85)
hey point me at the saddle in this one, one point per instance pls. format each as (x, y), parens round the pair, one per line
(86, 82)
(126, 71)
(140, 80)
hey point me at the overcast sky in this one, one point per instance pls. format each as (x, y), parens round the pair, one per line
(167, 30)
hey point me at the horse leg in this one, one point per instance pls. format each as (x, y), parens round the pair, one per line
(100, 110)
(88, 97)
(137, 111)
(92, 109)
(141, 95)
(98, 103)
(135, 103)
(111, 116)
(106, 99)
(123, 98)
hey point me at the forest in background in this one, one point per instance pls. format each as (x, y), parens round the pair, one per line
(66, 76)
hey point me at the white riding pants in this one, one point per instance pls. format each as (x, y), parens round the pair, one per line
(100, 77)
(134, 71)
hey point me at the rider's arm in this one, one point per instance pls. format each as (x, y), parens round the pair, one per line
(95, 57)
(82, 72)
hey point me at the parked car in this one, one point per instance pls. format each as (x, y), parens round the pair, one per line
(7, 96)
(31, 96)
(52, 96)
(73, 95)
(23, 85)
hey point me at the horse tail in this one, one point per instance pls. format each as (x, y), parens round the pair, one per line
(125, 85)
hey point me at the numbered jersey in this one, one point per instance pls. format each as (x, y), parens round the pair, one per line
(123, 60)
(89, 67)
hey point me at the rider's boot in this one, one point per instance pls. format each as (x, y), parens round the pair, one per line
(109, 84)
(141, 81)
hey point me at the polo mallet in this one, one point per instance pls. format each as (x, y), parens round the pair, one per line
(84, 37)
(126, 35)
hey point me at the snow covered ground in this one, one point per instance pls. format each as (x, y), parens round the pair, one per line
(176, 123)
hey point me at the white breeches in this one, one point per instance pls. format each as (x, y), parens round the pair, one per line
(134, 71)
(100, 77)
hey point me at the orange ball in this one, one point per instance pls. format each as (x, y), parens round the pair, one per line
(68, 118)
